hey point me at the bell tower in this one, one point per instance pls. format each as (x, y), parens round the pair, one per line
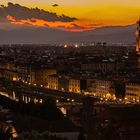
(138, 38)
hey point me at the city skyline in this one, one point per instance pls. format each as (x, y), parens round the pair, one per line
(69, 70)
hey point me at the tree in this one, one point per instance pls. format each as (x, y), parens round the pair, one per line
(34, 135)
(119, 89)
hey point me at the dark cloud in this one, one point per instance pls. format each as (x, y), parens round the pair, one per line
(23, 13)
(55, 5)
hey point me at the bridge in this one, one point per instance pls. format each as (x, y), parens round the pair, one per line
(43, 92)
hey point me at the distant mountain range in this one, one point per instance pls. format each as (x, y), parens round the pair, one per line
(36, 35)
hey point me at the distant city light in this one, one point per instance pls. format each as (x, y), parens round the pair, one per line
(101, 99)
(14, 78)
(76, 45)
(65, 46)
(125, 98)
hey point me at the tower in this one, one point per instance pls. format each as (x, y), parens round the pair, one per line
(138, 38)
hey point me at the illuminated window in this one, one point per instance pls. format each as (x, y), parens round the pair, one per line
(14, 78)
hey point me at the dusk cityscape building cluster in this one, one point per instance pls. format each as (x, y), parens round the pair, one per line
(92, 70)
(95, 87)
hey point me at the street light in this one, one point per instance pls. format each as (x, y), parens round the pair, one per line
(120, 100)
(101, 99)
(65, 46)
(72, 100)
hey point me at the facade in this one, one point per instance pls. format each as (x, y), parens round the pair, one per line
(11, 72)
(66, 83)
(52, 82)
(77, 85)
(40, 76)
(102, 66)
(36, 76)
(63, 83)
(132, 93)
(138, 38)
(91, 86)
(24, 73)
(74, 85)
(104, 89)
(8, 71)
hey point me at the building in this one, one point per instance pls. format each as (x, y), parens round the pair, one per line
(39, 76)
(132, 93)
(74, 85)
(102, 65)
(8, 71)
(77, 85)
(24, 73)
(63, 83)
(104, 89)
(91, 86)
(52, 82)
(138, 38)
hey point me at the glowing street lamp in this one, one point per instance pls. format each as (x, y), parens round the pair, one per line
(14, 78)
(76, 45)
(120, 100)
(101, 99)
(65, 46)
(125, 98)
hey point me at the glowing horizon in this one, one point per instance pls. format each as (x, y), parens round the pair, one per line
(90, 14)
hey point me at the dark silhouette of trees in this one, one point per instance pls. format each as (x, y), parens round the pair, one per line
(119, 89)
(106, 132)
(47, 110)
(34, 135)
(5, 135)
(81, 135)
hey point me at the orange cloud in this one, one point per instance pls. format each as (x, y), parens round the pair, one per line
(75, 26)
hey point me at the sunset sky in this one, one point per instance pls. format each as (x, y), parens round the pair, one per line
(88, 14)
